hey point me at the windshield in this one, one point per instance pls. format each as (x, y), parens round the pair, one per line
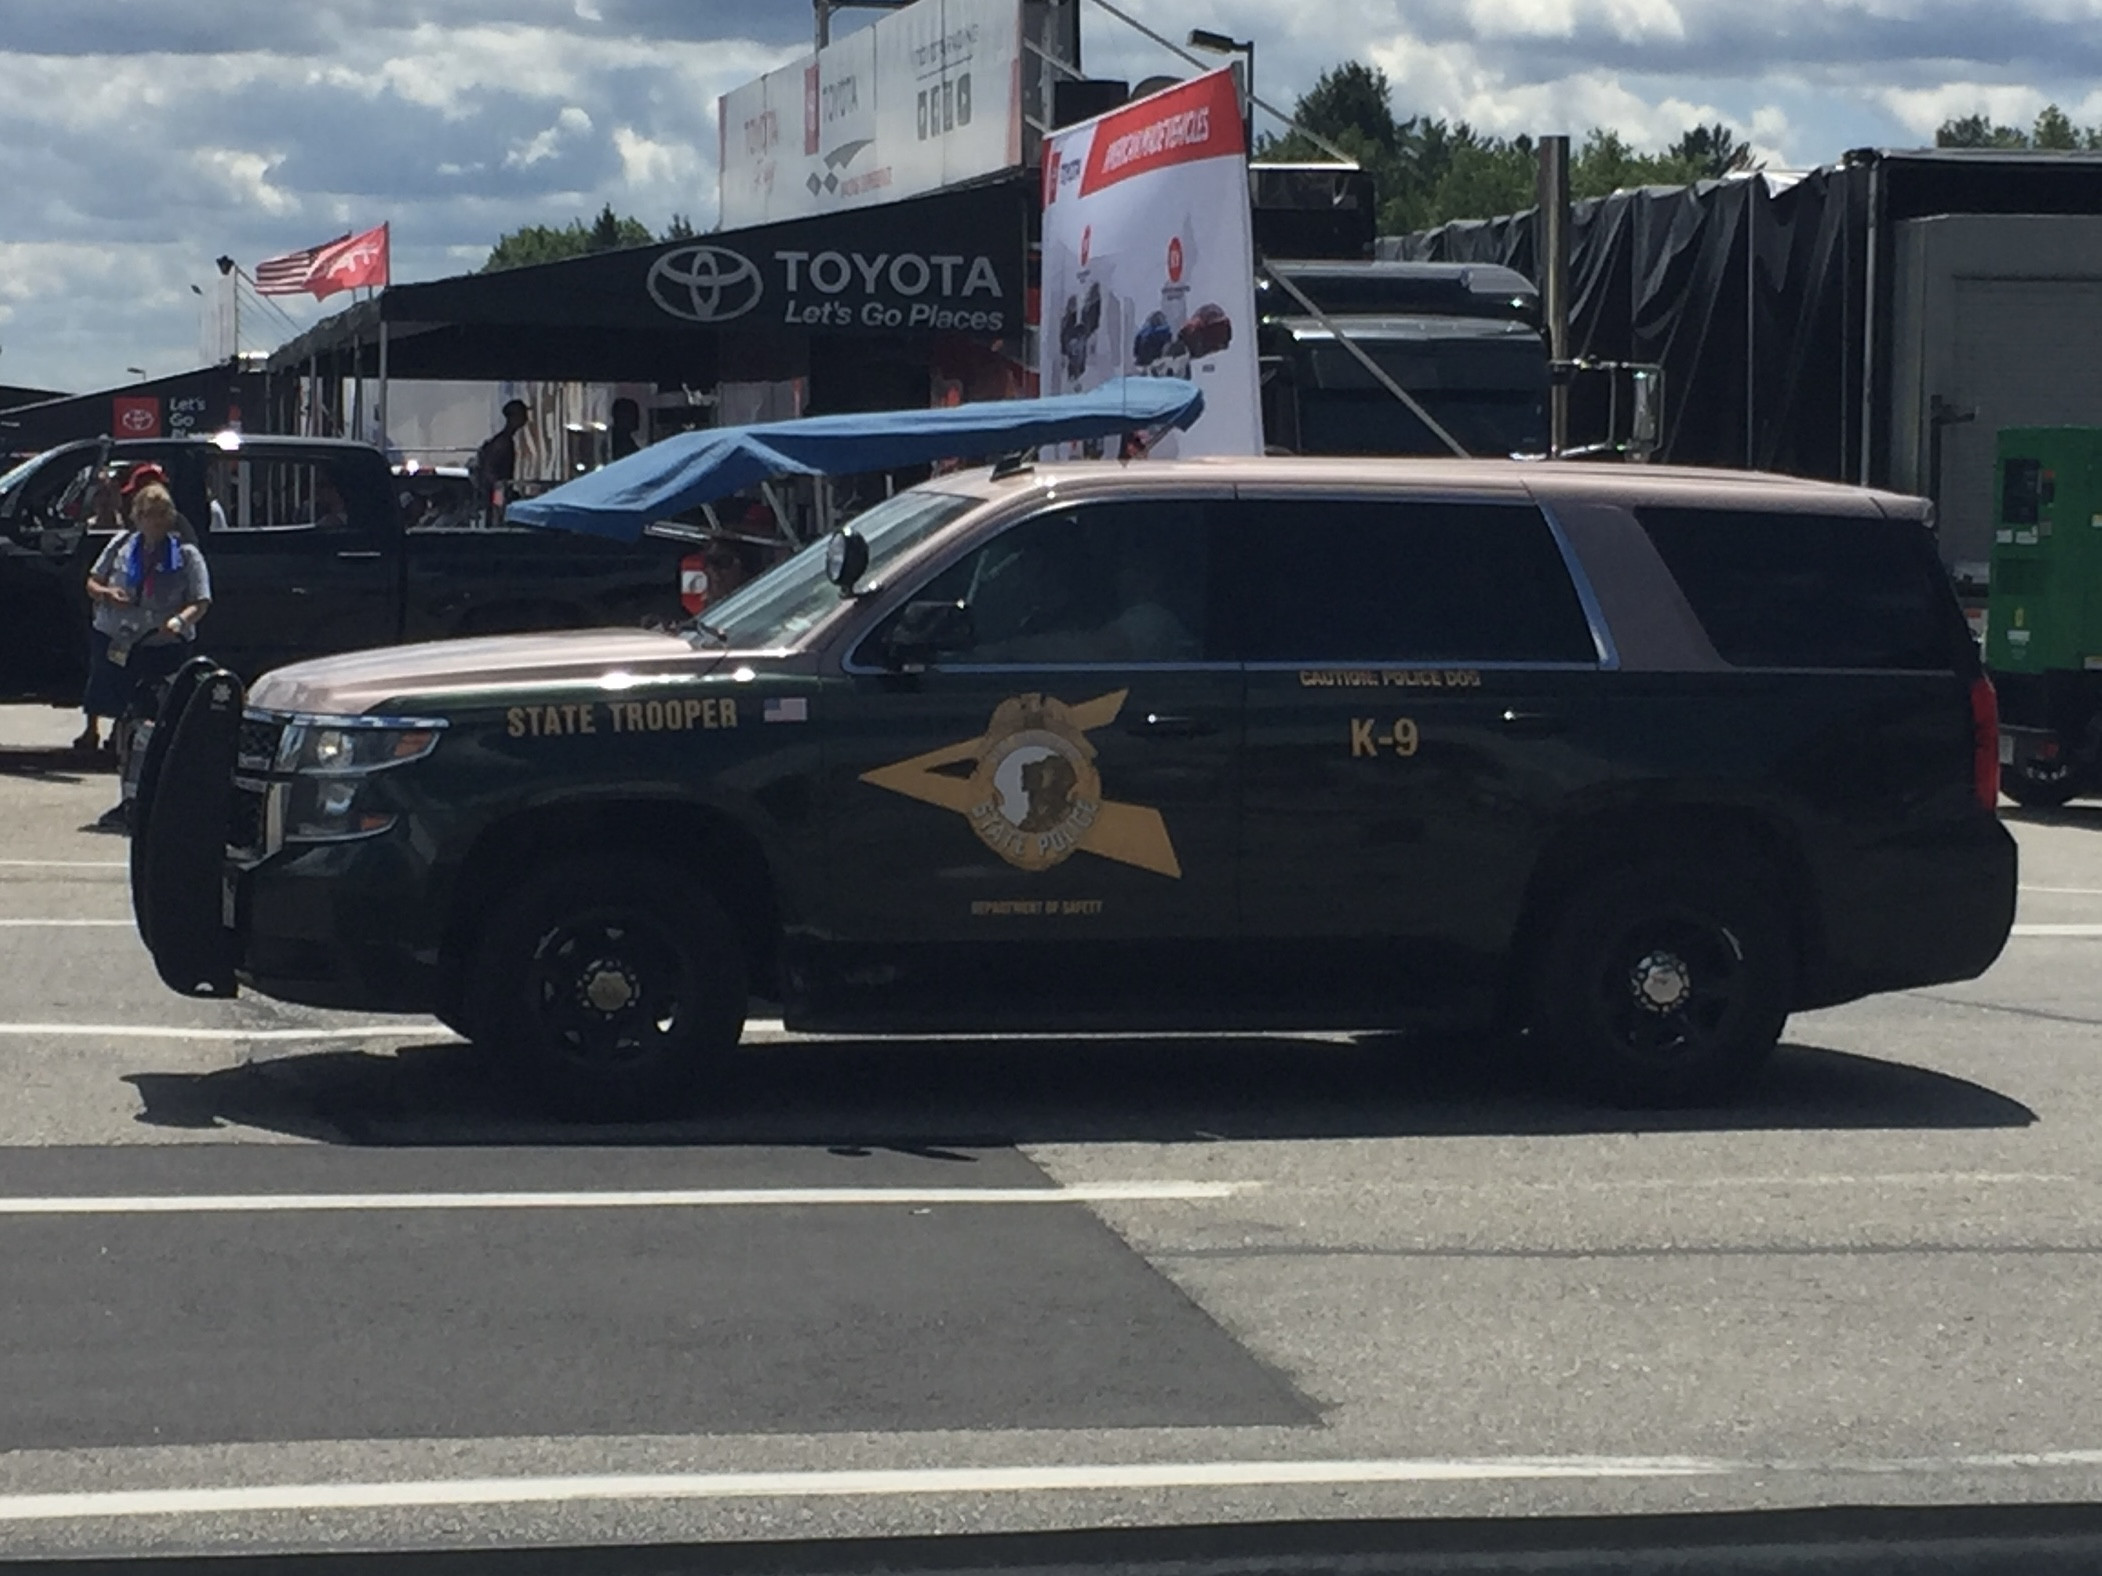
(781, 606)
(10, 479)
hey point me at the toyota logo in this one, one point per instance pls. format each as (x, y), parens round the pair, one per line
(137, 419)
(705, 284)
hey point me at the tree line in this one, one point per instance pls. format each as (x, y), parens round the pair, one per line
(1425, 170)
(2054, 132)
(550, 243)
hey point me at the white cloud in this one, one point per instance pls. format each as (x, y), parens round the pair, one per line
(246, 178)
(662, 170)
(1920, 110)
(278, 125)
(570, 124)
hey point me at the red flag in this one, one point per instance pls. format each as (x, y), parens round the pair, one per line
(347, 265)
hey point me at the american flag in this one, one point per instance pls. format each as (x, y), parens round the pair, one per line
(288, 275)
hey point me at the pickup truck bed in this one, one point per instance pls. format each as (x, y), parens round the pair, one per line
(309, 555)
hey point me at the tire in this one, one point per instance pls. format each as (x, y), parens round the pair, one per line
(2032, 792)
(613, 987)
(1664, 986)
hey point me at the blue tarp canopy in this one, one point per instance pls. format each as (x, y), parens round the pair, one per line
(622, 499)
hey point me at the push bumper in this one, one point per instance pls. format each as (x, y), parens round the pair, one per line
(334, 926)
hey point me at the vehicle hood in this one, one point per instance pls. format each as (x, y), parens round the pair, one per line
(357, 681)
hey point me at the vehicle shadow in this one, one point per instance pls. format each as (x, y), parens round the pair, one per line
(928, 1094)
(54, 765)
(2087, 814)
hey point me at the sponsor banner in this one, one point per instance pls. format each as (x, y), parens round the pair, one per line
(1148, 260)
(926, 97)
(880, 273)
(949, 263)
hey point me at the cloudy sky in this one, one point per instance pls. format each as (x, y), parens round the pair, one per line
(143, 138)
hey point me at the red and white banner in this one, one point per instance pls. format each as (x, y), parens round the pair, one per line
(347, 263)
(1149, 263)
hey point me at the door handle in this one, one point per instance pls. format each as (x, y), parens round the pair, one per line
(1533, 724)
(1159, 725)
(358, 555)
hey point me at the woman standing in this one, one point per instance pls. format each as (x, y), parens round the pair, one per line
(149, 589)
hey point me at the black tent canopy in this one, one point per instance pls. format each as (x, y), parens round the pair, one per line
(692, 311)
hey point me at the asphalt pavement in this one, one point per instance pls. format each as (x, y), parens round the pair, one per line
(274, 1278)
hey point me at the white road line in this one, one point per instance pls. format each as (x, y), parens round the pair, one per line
(72, 864)
(1679, 1184)
(63, 924)
(2058, 930)
(2066, 891)
(136, 1031)
(410, 1030)
(652, 1198)
(871, 1483)
(865, 1483)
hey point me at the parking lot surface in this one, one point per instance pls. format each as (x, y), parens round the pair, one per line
(285, 1278)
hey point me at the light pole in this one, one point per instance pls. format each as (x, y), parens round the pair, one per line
(1220, 44)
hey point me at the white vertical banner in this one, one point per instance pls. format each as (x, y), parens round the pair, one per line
(1149, 263)
(923, 98)
(217, 316)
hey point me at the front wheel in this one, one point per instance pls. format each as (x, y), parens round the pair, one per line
(615, 988)
(1664, 986)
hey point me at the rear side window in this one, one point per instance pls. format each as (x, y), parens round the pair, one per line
(1402, 580)
(1812, 591)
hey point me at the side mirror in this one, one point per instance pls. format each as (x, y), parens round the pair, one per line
(929, 629)
(1646, 423)
(846, 560)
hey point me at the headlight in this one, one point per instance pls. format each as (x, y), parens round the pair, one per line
(349, 746)
(331, 810)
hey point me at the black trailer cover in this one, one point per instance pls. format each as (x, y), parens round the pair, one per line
(1762, 296)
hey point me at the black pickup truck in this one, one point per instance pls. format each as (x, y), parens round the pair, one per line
(309, 555)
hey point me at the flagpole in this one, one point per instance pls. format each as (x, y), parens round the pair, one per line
(380, 405)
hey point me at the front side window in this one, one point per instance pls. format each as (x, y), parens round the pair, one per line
(1093, 584)
(789, 600)
(1404, 580)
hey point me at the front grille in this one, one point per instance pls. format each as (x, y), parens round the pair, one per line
(257, 749)
(246, 821)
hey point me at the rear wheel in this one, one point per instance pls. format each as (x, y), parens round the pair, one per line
(615, 988)
(2041, 788)
(1664, 986)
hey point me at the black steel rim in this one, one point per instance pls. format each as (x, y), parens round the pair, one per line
(1672, 989)
(612, 989)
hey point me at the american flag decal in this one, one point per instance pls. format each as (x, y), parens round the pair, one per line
(788, 708)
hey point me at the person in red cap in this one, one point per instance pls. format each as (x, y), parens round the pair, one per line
(148, 590)
(110, 508)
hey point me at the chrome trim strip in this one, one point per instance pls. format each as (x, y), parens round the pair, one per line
(1417, 665)
(856, 669)
(1587, 598)
(316, 719)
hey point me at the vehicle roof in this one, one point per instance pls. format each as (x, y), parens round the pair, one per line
(254, 440)
(1657, 484)
(1416, 326)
